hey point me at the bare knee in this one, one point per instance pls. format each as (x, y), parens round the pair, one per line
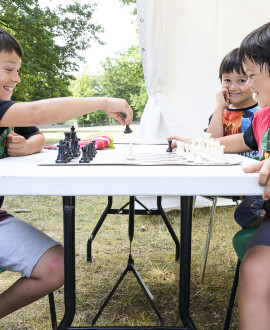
(255, 269)
(50, 268)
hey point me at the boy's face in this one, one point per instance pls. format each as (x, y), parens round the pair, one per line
(239, 94)
(258, 82)
(9, 67)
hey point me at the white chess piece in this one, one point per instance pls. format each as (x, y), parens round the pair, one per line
(130, 155)
(220, 158)
(180, 148)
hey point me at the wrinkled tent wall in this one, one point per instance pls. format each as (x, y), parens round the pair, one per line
(182, 43)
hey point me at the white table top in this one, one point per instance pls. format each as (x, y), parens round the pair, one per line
(24, 176)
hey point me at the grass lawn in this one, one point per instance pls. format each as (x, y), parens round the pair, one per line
(154, 255)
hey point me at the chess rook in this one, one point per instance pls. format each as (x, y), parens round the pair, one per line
(61, 158)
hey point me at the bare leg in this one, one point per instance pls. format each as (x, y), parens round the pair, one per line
(47, 276)
(254, 289)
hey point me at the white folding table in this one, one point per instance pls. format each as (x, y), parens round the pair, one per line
(24, 176)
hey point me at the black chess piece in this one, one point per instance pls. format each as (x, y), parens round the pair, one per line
(127, 130)
(89, 151)
(93, 148)
(67, 136)
(75, 147)
(85, 158)
(169, 149)
(67, 150)
(61, 158)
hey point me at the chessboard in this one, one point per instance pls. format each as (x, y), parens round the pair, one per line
(209, 154)
(142, 159)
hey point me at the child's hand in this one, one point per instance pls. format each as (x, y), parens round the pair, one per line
(264, 175)
(177, 138)
(115, 106)
(223, 98)
(16, 144)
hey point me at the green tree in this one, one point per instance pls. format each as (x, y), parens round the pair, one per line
(52, 40)
(128, 2)
(123, 77)
(88, 86)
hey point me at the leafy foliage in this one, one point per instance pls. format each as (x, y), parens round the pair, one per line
(123, 78)
(128, 2)
(88, 86)
(52, 40)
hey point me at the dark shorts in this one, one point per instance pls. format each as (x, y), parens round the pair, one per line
(261, 236)
(249, 210)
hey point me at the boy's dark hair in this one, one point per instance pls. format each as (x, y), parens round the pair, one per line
(231, 63)
(8, 43)
(256, 47)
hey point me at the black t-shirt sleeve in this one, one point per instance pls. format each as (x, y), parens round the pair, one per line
(249, 138)
(26, 132)
(4, 105)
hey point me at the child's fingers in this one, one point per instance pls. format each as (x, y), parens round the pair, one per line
(253, 167)
(264, 174)
(11, 133)
(173, 138)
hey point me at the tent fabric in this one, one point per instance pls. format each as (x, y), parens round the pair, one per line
(182, 43)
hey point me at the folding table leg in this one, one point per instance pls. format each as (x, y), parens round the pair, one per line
(185, 260)
(69, 257)
(97, 227)
(169, 227)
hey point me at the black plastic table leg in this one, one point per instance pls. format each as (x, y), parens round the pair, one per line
(97, 227)
(232, 297)
(169, 227)
(69, 258)
(131, 219)
(185, 260)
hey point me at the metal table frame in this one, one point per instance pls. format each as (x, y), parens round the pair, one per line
(185, 262)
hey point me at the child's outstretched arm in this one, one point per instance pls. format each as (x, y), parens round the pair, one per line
(216, 125)
(264, 175)
(57, 110)
(234, 143)
(17, 145)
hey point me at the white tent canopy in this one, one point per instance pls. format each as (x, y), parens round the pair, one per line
(182, 43)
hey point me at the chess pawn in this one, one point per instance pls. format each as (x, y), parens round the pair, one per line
(85, 158)
(190, 153)
(130, 155)
(169, 149)
(127, 130)
(180, 148)
(186, 150)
